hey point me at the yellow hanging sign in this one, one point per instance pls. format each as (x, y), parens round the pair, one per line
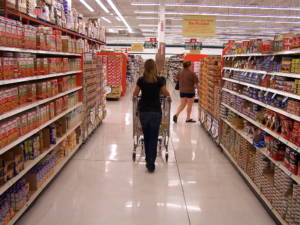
(199, 26)
(137, 47)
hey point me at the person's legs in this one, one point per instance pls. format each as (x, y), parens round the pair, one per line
(150, 122)
(183, 103)
(144, 118)
(154, 127)
(190, 102)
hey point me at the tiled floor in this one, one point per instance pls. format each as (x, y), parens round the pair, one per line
(102, 186)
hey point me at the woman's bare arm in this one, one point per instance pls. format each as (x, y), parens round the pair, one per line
(136, 91)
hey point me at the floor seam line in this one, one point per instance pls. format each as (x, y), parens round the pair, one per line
(181, 184)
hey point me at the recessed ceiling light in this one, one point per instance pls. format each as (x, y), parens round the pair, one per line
(87, 5)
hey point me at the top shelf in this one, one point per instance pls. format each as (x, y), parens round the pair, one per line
(70, 32)
(9, 49)
(289, 52)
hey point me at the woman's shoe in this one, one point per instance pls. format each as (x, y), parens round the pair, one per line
(175, 118)
(150, 167)
(190, 121)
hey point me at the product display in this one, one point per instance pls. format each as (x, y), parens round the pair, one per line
(175, 65)
(260, 112)
(209, 95)
(135, 65)
(56, 12)
(94, 88)
(116, 69)
(42, 89)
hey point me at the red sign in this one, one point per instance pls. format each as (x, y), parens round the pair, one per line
(153, 40)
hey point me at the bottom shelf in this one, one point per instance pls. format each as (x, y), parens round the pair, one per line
(254, 187)
(37, 193)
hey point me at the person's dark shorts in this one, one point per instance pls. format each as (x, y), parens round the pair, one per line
(187, 95)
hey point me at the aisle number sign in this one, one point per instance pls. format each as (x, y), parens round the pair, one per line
(199, 26)
(137, 47)
(152, 43)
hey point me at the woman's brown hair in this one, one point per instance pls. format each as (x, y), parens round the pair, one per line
(150, 71)
(187, 64)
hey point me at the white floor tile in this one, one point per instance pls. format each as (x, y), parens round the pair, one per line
(102, 186)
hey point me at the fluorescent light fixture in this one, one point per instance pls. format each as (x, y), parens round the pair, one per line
(232, 7)
(105, 19)
(220, 20)
(156, 25)
(218, 14)
(112, 5)
(102, 5)
(117, 18)
(145, 3)
(255, 21)
(87, 5)
(148, 25)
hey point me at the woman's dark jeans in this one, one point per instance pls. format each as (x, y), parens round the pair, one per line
(150, 122)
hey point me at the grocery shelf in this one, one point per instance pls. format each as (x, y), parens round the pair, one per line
(281, 74)
(283, 112)
(287, 52)
(10, 49)
(244, 70)
(284, 93)
(31, 163)
(35, 104)
(69, 32)
(272, 133)
(245, 55)
(37, 193)
(254, 187)
(265, 152)
(40, 77)
(24, 137)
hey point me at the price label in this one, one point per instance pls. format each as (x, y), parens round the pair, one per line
(272, 77)
(285, 99)
(249, 58)
(266, 93)
(272, 58)
(274, 95)
(264, 76)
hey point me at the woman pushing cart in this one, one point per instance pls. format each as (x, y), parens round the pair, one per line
(151, 124)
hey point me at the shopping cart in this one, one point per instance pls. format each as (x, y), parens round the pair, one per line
(164, 132)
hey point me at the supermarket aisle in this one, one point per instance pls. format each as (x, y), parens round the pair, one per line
(101, 185)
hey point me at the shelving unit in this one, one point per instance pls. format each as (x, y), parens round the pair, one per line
(58, 168)
(236, 89)
(254, 187)
(290, 95)
(292, 116)
(60, 133)
(210, 94)
(288, 52)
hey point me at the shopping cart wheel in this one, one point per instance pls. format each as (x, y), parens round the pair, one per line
(133, 156)
(167, 157)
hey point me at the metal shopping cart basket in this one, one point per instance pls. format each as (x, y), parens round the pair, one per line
(164, 132)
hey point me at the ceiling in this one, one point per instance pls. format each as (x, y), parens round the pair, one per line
(236, 19)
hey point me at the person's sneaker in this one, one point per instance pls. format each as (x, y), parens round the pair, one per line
(175, 119)
(150, 167)
(190, 121)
